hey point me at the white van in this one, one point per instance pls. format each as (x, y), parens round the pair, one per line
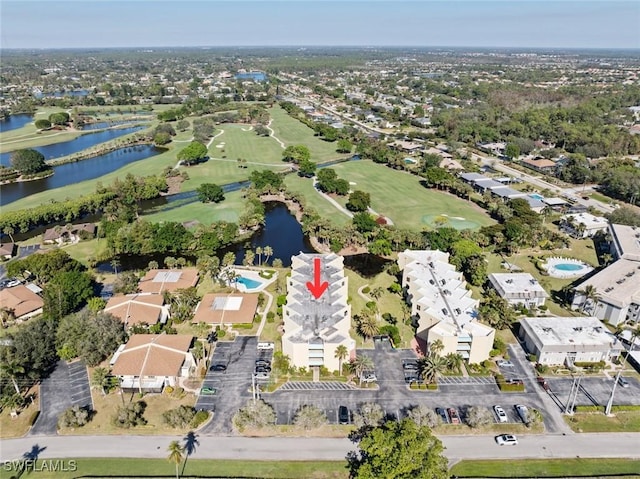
(266, 345)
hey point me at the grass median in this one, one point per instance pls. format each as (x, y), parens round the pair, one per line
(547, 468)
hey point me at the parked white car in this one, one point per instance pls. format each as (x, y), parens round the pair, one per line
(369, 378)
(502, 415)
(266, 345)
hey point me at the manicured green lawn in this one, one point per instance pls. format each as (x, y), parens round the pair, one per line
(401, 197)
(260, 152)
(546, 468)
(293, 132)
(206, 213)
(304, 186)
(623, 421)
(195, 468)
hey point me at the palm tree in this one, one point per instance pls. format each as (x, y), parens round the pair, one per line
(176, 455)
(430, 366)
(436, 347)
(591, 295)
(9, 230)
(454, 362)
(341, 354)
(367, 326)
(98, 378)
(259, 253)
(376, 292)
(361, 364)
(115, 264)
(12, 369)
(268, 252)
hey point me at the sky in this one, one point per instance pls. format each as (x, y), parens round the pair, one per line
(424, 23)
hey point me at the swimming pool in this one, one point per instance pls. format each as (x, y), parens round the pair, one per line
(536, 196)
(566, 267)
(569, 267)
(249, 283)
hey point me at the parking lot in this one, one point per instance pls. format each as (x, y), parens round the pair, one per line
(594, 391)
(66, 386)
(233, 386)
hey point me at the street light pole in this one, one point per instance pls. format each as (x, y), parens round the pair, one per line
(607, 410)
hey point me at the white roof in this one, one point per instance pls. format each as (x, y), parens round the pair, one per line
(512, 283)
(617, 284)
(166, 277)
(569, 331)
(588, 220)
(627, 239)
(227, 303)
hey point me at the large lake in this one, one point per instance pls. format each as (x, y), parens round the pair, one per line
(83, 142)
(71, 173)
(14, 122)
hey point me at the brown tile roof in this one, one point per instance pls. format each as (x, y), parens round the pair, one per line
(158, 280)
(136, 308)
(229, 308)
(153, 355)
(52, 234)
(7, 248)
(21, 300)
(542, 163)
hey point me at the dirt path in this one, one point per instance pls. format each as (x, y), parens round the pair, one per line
(273, 135)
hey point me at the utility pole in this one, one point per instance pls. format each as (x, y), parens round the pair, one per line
(607, 410)
(573, 394)
(253, 387)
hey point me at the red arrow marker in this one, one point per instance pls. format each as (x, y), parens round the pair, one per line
(316, 288)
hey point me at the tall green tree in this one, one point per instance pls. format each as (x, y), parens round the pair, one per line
(399, 450)
(210, 192)
(176, 454)
(341, 354)
(28, 162)
(192, 153)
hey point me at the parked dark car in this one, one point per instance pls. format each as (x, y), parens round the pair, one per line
(263, 362)
(443, 415)
(453, 415)
(343, 415)
(218, 367)
(263, 369)
(410, 365)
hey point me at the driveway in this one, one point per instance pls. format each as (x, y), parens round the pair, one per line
(233, 386)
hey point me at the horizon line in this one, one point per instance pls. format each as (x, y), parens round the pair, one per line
(468, 47)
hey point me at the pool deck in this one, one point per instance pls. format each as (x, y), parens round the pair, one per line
(253, 274)
(554, 272)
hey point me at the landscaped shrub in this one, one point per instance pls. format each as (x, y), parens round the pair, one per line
(75, 416)
(392, 332)
(199, 418)
(168, 390)
(256, 414)
(532, 357)
(281, 300)
(309, 417)
(267, 274)
(271, 317)
(130, 415)
(366, 290)
(179, 417)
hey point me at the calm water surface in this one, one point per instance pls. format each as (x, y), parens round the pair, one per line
(71, 173)
(14, 122)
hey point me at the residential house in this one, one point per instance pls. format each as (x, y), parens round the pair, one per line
(137, 309)
(406, 146)
(226, 309)
(159, 280)
(7, 250)
(583, 225)
(69, 233)
(541, 165)
(22, 300)
(557, 340)
(443, 306)
(149, 362)
(519, 289)
(315, 327)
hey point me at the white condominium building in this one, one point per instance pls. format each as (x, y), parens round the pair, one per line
(439, 298)
(617, 286)
(315, 327)
(519, 289)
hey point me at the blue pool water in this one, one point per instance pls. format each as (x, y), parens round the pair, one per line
(568, 267)
(536, 196)
(249, 283)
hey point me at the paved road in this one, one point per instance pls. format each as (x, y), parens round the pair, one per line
(277, 448)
